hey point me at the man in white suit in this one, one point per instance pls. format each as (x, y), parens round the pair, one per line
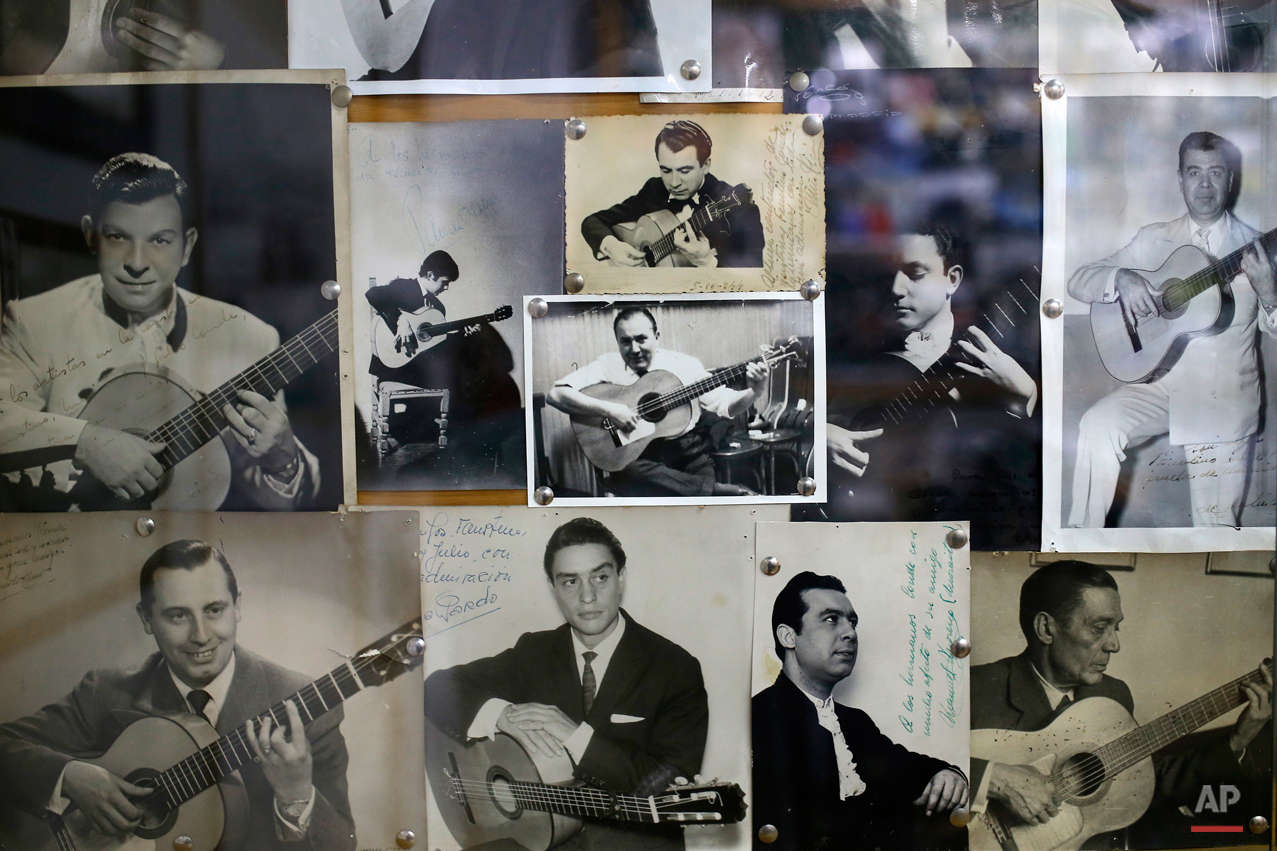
(1208, 402)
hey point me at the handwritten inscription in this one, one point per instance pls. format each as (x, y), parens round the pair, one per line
(931, 673)
(465, 566)
(791, 197)
(28, 557)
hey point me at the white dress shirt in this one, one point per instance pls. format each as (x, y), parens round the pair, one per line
(849, 782)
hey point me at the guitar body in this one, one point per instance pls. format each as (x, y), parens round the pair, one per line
(216, 815)
(647, 231)
(478, 808)
(1158, 341)
(600, 446)
(417, 324)
(386, 32)
(1106, 803)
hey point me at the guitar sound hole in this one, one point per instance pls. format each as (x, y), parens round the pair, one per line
(157, 818)
(1171, 307)
(654, 416)
(1080, 776)
(501, 793)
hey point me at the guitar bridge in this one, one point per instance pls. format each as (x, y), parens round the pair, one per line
(610, 428)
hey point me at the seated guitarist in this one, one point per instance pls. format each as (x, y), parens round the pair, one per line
(678, 466)
(190, 604)
(58, 348)
(1209, 401)
(1069, 614)
(685, 185)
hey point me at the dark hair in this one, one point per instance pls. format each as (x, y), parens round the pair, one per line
(790, 606)
(677, 135)
(633, 310)
(951, 245)
(1204, 140)
(1057, 589)
(181, 555)
(441, 264)
(135, 179)
(582, 530)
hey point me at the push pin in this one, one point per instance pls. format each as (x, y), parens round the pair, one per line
(799, 82)
(813, 125)
(574, 129)
(961, 648)
(767, 834)
(330, 290)
(145, 526)
(183, 843)
(771, 565)
(406, 839)
(691, 69)
(342, 96)
(1052, 308)
(1054, 89)
(806, 486)
(416, 646)
(573, 282)
(956, 539)
(960, 817)
(537, 308)
(1258, 824)
(810, 290)
(543, 495)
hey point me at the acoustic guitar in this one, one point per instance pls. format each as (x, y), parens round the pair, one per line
(424, 329)
(653, 234)
(663, 403)
(1100, 763)
(198, 792)
(492, 789)
(1193, 299)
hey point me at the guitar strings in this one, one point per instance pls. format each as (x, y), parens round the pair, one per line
(602, 803)
(700, 388)
(700, 218)
(1202, 280)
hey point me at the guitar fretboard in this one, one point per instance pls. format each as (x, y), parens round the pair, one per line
(699, 388)
(1221, 271)
(664, 246)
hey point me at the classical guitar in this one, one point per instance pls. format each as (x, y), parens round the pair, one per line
(653, 234)
(157, 404)
(1100, 762)
(663, 403)
(493, 789)
(424, 329)
(198, 792)
(1193, 300)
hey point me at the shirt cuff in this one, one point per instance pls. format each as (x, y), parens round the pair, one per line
(288, 830)
(288, 489)
(579, 741)
(484, 725)
(1268, 318)
(980, 800)
(58, 802)
(1110, 287)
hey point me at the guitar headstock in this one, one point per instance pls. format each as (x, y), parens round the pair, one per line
(740, 196)
(392, 654)
(505, 311)
(715, 803)
(773, 355)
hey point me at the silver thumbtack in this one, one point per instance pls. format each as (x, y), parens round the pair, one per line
(1052, 308)
(145, 526)
(574, 128)
(691, 69)
(799, 82)
(961, 648)
(771, 565)
(810, 290)
(538, 308)
(1054, 89)
(956, 539)
(813, 124)
(342, 95)
(406, 839)
(573, 282)
(806, 486)
(543, 495)
(767, 834)
(330, 290)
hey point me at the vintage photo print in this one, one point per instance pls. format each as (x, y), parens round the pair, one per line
(859, 708)
(1098, 721)
(574, 663)
(1164, 434)
(1106, 36)
(935, 242)
(97, 36)
(244, 680)
(676, 400)
(707, 203)
(503, 47)
(449, 233)
(166, 341)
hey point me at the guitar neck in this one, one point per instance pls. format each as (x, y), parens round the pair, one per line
(456, 325)
(664, 246)
(699, 388)
(203, 421)
(1220, 272)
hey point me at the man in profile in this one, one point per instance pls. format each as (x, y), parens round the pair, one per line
(626, 705)
(824, 775)
(190, 603)
(685, 186)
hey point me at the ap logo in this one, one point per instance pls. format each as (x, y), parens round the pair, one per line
(1208, 802)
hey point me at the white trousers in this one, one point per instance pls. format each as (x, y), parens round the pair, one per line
(1217, 472)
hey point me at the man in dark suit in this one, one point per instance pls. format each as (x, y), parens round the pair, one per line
(296, 784)
(824, 775)
(628, 706)
(684, 187)
(1069, 614)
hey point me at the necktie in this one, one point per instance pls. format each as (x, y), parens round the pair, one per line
(1202, 239)
(1064, 704)
(198, 698)
(588, 685)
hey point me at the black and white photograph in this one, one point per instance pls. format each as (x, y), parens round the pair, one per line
(1110, 36)
(166, 340)
(1170, 323)
(680, 400)
(244, 680)
(103, 36)
(449, 232)
(933, 208)
(503, 47)
(859, 708)
(585, 688)
(706, 203)
(1120, 700)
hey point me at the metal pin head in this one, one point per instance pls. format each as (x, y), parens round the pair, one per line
(543, 495)
(1258, 824)
(573, 282)
(961, 648)
(813, 125)
(330, 290)
(538, 307)
(767, 834)
(1052, 308)
(406, 839)
(956, 539)
(770, 565)
(1054, 89)
(810, 290)
(806, 486)
(145, 526)
(342, 96)
(574, 128)
(691, 69)
(960, 817)
(416, 646)
(183, 843)
(799, 82)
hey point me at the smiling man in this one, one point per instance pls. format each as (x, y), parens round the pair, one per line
(190, 604)
(58, 349)
(626, 705)
(824, 775)
(685, 186)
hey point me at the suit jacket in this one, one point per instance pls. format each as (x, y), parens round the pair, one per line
(1214, 387)
(737, 237)
(35, 750)
(650, 679)
(796, 781)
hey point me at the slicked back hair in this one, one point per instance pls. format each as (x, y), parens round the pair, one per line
(633, 310)
(790, 606)
(1057, 589)
(677, 135)
(135, 178)
(582, 530)
(181, 555)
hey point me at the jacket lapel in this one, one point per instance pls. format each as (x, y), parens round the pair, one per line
(565, 679)
(1026, 695)
(248, 695)
(628, 663)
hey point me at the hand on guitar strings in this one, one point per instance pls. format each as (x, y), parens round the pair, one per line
(261, 427)
(997, 366)
(619, 253)
(284, 755)
(946, 790)
(756, 373)
(1135, 296)
(1025, 790)
(1258, 711)
(1258, 268)
(103, 798)
(539, 727)
(166, 44)
(843, 451)
(123, 462)
(622, 416)
(694, 247)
